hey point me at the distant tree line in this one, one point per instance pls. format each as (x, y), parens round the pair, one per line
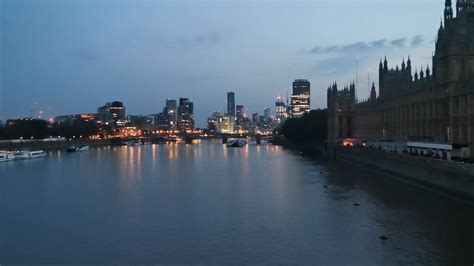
(311, 126)
(40, 129)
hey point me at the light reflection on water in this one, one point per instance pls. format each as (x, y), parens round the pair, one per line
(206, 203)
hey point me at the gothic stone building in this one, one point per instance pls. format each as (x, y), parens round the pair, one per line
(436, 106)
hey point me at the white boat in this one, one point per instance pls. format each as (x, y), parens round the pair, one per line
(6, 156)
(37, 154)
(21, 155)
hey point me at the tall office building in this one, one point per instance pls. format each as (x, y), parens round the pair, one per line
(301, 97)
(185, 114)
(172, 113)
(231, 103)
(112, 113)
(255, 118)
(239, 117)
(280, 110)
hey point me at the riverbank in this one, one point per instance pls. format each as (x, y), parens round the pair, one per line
(50, 145)
(450, 178)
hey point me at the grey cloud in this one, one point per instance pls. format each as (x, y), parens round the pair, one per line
(417, 41)
(367, 47)
(398, 43)
(379, 43)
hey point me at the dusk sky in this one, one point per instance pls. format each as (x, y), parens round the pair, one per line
(72, 56)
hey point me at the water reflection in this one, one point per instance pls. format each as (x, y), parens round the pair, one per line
(206, 203)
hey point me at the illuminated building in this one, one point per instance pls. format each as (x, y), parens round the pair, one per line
(185, 113)
(240, 113)
(171, 110)
(144, 123)
(213, 122)
(280, 110)
(112, 113)
(226, 124)
(301, 97)
(231, 104)
(72, 118)
(129, 132)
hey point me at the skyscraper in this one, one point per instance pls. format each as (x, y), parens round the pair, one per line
(231, 103)
(239, 114)
(280, 110)
(301, 97)
(185, 115)
(255, 118)
(171, 112)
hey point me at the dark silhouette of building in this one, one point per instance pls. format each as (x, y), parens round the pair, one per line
(432, 105)
(231, 104)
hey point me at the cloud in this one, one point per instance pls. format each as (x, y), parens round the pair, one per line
(362, 47)
(379, 43)
(417, 41)
(336, 60)
(398, 43)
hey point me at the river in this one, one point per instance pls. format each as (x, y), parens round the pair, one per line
(208, 204)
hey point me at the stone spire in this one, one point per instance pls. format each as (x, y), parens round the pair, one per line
(448, 10)
(373, 93)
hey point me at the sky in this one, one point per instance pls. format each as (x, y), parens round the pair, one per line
(72, 56)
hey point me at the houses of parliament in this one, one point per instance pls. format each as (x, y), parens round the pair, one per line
(432, 105)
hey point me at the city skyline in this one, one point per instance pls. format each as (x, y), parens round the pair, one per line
(134, 63)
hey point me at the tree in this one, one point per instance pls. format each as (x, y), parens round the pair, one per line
(311, 126)
(26, 128)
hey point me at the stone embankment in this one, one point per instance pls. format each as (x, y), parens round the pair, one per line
(451, 178)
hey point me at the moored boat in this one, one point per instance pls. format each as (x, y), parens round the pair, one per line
(25, 154)
(236, 144)
(21, 155)
(78, 148)
(37, 154)
(6, 156)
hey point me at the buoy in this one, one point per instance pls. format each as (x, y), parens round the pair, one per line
(383, 237)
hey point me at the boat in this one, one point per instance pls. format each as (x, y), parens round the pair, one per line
(78, 148)
(236, 144)
(25, 155)
(37, 154)
(21, 155)
(6, 156)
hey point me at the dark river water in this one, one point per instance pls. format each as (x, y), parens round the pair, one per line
(206, 203)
